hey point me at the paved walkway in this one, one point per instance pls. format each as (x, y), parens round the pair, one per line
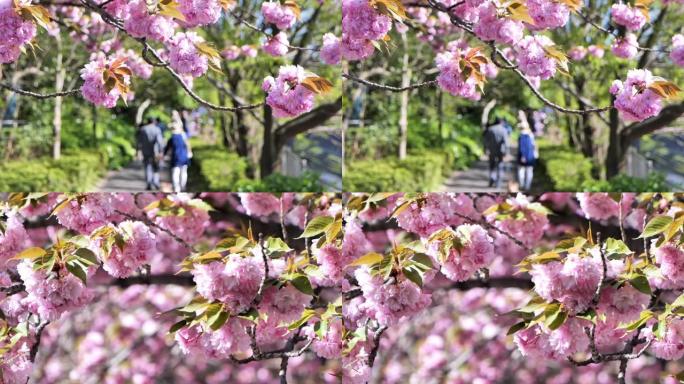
(132, 179)
(476, 179)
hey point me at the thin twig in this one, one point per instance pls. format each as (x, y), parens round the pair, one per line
(389, 87)
(39, 95)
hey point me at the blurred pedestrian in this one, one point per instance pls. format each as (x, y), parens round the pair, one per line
(180, 152)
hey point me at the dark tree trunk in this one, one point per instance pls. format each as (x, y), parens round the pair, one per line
(615, 155)
(268, 153)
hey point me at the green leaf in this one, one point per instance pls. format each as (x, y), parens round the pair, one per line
(615, 247)
(306, 315)
(251, 315)
(413, 275)
(333, 230)
(77, 271)
(87, 256)
(276, 245)
(317, 226)
(554, 316)
(367, 259)
(643, 318)
(201, 204)
(640, 282)
(175, 327)
(657, 225)
(30, 253)
(516, 327)
(423, 260)
(679, 302)
(217, 320)
(197, 306)
(659, 329)
(302, 283)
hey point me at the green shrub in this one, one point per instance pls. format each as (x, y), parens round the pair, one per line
(418, 172)
(213, 168)
(624, 183)
(307, 182)
(72, 172)
(565, 169)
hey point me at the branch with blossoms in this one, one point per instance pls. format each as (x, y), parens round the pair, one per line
(184, 55)
(594, 298)
(260, 298)
(533, 57)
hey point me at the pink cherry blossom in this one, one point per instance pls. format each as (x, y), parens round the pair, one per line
(331, 50)
(286, 95)
(533, 58)
(598, 206)
(184, 56)
(140, 23)
(12, 237)
(199, 12)
(277, 45)
(633, 98)
(361, 21)
(260, 204)
(493, 28)
(50, 297)
(389, 303)
(94, 89)
(475, 250)
(139, 243)
(230, 339)
(451, 77)
(630, 17)
(536, 342)
(275, 13)
(671, 260)
(677, 53)
(16, 32)
(548, 14)
(626, 47)
(671, 346)
(577, 53)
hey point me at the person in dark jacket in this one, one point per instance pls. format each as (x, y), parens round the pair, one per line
(180, 153)
(496, 147)
(527, 155)
(149, 148)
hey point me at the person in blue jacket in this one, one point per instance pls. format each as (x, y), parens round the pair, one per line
(180, 153)
(527, 155)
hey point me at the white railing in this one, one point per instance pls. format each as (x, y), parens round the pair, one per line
(291, 164)
(638, 165)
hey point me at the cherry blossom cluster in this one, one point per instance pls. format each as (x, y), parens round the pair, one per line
(634, 98)
(286, 93)
(518, 37)
(594, 298)
(167, 36)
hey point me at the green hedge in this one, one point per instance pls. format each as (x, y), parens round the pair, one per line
(307, 182)
(624, 183)
(418, 172)
(563, 168)
(213, 168)
(72, 172)
(216, 169)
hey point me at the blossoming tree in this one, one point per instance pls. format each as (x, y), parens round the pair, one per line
(228, 57)
(98, 288)
(493, 288)
(379, 288)
(610, 67)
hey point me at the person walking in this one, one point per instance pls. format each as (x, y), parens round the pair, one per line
(527, 155)
(149, 145)
(496, 148)
(179, 148)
